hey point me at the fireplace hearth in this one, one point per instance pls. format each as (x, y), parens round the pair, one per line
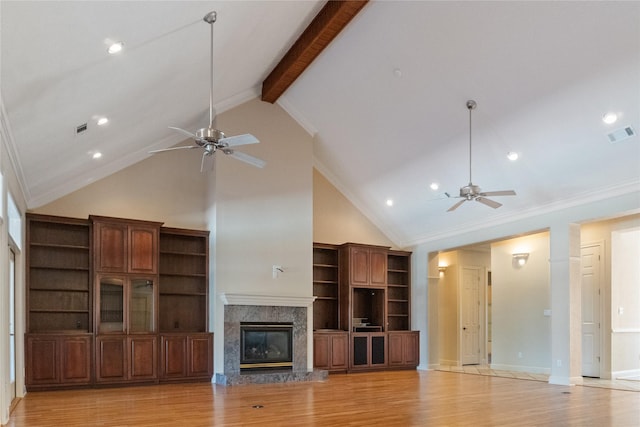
(266, 346)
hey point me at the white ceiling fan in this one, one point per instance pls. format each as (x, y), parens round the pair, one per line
(471, 191)
(211, 139)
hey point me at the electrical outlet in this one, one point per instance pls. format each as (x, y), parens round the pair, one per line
(519, 355)
(558, 363)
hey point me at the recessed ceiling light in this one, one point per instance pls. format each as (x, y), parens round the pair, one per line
(115, 47)
(512, 155)
(389, 202)
(610, 118)
(434, 186)
(97, 155)
(102, 121)
(397, 72)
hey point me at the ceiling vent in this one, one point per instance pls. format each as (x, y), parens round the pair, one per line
(621, 134)
(81, 128)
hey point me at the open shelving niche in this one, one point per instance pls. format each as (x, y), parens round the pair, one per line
(398, 291)
(59, 276)
(325, 287)
(183, 280)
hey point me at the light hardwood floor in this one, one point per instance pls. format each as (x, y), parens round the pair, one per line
(398, 398)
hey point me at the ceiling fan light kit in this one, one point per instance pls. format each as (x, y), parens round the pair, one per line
(211, 139)
(472, 191)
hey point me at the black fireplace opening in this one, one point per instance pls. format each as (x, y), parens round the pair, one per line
(266, 346)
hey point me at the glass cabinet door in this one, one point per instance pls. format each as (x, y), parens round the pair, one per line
(111, 305)
(141, 306)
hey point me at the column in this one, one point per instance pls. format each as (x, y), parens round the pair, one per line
(566, 305)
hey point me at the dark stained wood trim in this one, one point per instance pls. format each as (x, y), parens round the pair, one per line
(334, 16)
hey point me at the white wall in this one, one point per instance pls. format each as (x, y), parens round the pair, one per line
(262, 217)
(521, 331)
(336, 220)
(167, 187)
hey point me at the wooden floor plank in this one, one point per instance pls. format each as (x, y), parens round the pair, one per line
(402, 398)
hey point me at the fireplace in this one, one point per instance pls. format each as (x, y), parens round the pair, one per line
(266, 346)
(242, 310)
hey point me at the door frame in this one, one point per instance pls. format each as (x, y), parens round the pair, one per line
(601, 303)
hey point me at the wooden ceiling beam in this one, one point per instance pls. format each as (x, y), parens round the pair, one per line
(334, 16)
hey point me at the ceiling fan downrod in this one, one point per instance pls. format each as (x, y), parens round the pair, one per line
(210, 133)
(471, 104)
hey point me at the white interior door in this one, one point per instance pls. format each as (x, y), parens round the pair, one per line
(470, 316)
(591, 331)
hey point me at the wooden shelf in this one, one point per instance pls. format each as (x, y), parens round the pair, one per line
(184, 274)
(58, 266)
(184, 257)
(58, 246)
(199, 294)
(325, 265)
(52, 310)
(326, 282)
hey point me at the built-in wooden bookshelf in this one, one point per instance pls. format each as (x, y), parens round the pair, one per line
(184, 257)
(325, 286)
(59, 275)
(398, 291)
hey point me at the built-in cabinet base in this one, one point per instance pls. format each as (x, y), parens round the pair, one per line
(331, 351)
(58, 360)
(186, 356)
(339, 351)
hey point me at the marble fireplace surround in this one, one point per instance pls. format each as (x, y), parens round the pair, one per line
(265, 308)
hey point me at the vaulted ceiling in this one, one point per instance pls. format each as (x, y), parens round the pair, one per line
(385, 100)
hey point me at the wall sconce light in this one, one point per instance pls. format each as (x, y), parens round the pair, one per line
(520, 259)
(442, 269)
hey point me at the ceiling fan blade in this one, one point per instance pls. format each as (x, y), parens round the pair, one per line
(488, 202)
(499, 193)
(243, 157)
(454, 207)
(174, 148)
(185, 132)
(234, 141)
(207, 162)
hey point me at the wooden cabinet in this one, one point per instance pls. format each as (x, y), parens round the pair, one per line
(404, 351)
(325, 286)
(57, 360)
(126, 304)
(331, 351)
(59, 304)
(374, 301)
(122, 358)
(366, 265)
(126, 346)
(186, 349)
(99, 292)
(186, 356)
(368, 350)
(125, 246)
